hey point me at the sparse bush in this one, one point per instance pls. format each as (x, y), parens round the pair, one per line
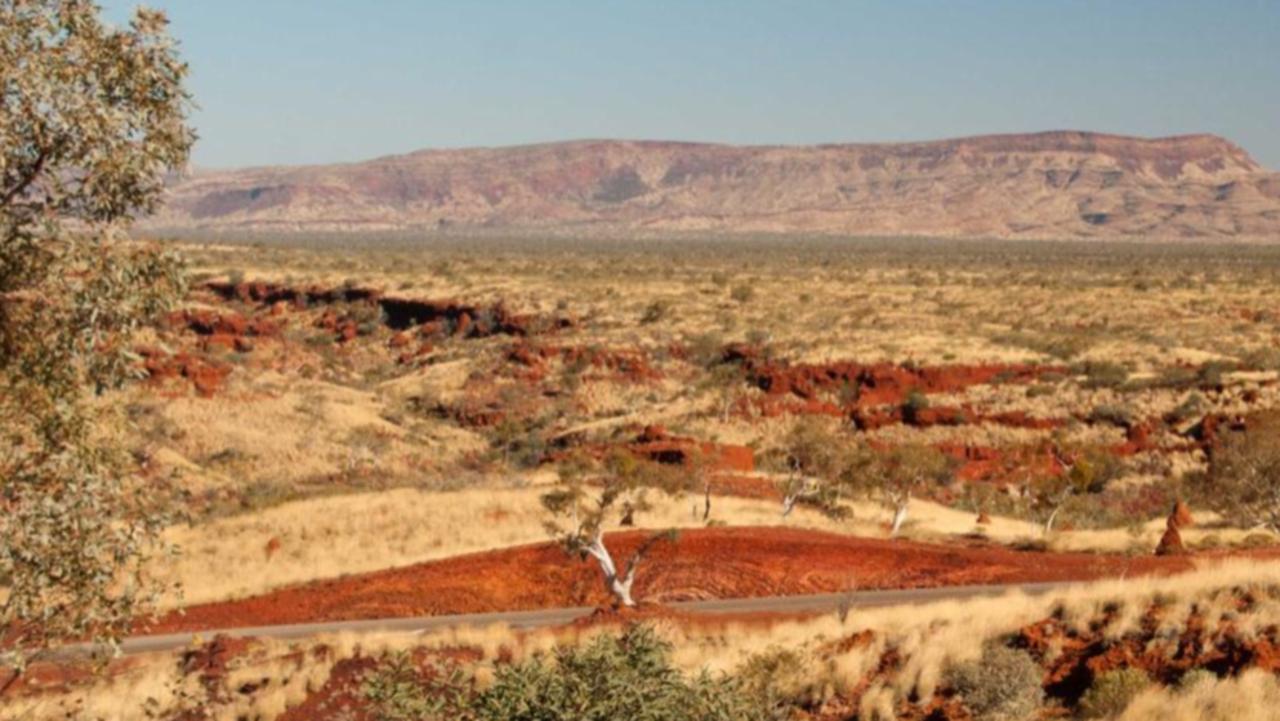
(1112, 692)
(1102, 374)
(1003, 685)
(1111, 414)
(761, 338)
(911, 407)
(1193, 406)
(742, 293)
(1262, 359)
(1196, 676)
(1212, 375)
(777, 681)
(1241, 482)
(706, 349)
(656, 311)
(1040, 390)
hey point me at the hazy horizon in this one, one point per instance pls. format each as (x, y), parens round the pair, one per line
(328, 81)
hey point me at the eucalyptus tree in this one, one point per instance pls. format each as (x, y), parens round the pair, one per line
(92, 119)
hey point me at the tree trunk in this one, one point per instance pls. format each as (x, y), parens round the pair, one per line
(1048, 523)
(619, 587)
(899, 515)
(789, 504)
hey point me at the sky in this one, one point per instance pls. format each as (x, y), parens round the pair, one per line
(308, 81)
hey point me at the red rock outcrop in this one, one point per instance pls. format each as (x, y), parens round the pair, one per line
(206, 376)
(630, 365)
(868, 385)
(656, 444)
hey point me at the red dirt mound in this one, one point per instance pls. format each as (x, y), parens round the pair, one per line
(704, 563)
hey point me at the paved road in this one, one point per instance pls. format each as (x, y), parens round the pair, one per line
(556, 616)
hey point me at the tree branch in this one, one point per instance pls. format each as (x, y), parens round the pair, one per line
(642, 551)
(25, 183)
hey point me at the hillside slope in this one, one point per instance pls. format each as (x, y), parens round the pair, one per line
(1044, 185)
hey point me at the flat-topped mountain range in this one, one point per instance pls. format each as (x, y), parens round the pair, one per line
(1062, 184)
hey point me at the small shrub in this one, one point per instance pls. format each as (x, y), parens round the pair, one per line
(1104, 375)
(1262, 359)
(1040, 390)
(706, 349)
(1112, 692)
(911, 407)
(760, 337)
(1213, 374)
(1111, 414)
(656, 311)
(1003, 685)
(778, 680)
(1196, 676)
(1194, 406)
(742, 293)
(1257, 540)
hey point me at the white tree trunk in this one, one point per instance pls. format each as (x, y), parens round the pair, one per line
(789, 504)
(899, 515)
(1048, 523)
(619, 587)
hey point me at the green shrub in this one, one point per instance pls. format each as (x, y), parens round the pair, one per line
(607, 680)
(1003, 685)
(1112, 692)
(399, 690)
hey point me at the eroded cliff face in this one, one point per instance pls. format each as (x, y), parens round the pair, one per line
(1044, 185)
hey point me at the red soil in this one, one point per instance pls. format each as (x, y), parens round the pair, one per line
(703, 563)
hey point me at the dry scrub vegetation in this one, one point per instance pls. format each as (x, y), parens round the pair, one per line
(315, 453)
(1201, 645)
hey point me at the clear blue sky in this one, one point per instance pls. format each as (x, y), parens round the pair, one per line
(300, 81)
